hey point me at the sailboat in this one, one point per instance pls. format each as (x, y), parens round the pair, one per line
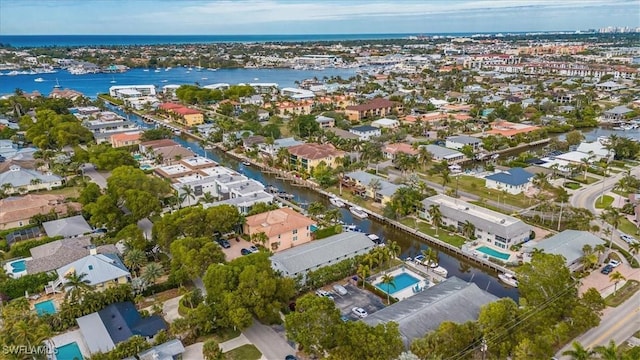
(199, 67)
(57, 85)
(113, 80)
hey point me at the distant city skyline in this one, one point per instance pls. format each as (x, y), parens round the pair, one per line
(244, 17)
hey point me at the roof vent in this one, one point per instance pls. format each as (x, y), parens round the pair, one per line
(502, 221)
(467, 208)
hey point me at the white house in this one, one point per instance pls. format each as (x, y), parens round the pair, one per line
(128, 91)
(18, 179)
(460, 141)
(366, 132)
(596, 149)
(568, 243)
(385, 123)
(297, 94)
(514, 181)
(440, 153)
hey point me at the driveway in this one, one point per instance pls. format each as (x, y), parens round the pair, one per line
(356, 297)
(234, 251)
(268, 341)
(193, 352)
(95, 176)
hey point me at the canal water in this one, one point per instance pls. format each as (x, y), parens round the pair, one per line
(410, 245)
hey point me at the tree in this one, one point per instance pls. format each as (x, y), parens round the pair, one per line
(90, 193)
(609, 352)
(613, 217)
(357, 340)
(494, 320)
(390, 281)
(260, 238)
(77, 284)
(574, 137)
(469, 230)
(304, 126)
(211, 350)
(187, 193)
(615, 278)
(314, 324)
(436, 216)
(156, 134)
(424, 157)
(444, 173)
(363, 271)
(192, 256)
(447, 341)
(316, 208)
(135, 259)
(152, 272)
(578, 352)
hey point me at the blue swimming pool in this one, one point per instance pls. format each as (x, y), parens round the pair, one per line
(494, 253)
(146, 167)
(400, 282)
(18, 266)
(70, 351)
(45, 307)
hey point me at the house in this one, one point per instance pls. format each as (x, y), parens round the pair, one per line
(250, 142)
(460, 141)
(165, 151)
(171, 350)
(126, 139)
(342, 133)
(596, 149)
(67, 227)
(245, 203)
(609, 86)
(491, 227)
(56, 254)
(377, 107)
(102, 271)
(568, 243)
(272, 149)
(17, 211)
(308, 156)
(618, 113)
(286, 108)
(185, 167)
(188, 117)
(452, 300)
(509, 129)
(325, 121)
(370, 186)
(440, 153)
(105, 124)
(385, 123)
(18, 179)
(126, 91)
(299, 260)
(285, 228)
(366, 132)
(514, 181)
(105, 329)
(391, 151)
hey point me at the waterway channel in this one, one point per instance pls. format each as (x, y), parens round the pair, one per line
(409, 244)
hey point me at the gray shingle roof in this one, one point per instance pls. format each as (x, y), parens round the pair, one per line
(568, 243)
(99, 268)
(451, 300)
(165, 351)
(463, 139)
(386, 188)
(58, 253)
(318, 253)
(17, 176)
(67, 227)
(440, 152)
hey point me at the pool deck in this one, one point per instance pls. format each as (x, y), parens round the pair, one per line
(69, 337)
(408, 291)
(513, 256)
(9, 269)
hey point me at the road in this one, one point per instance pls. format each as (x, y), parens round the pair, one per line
(618, 324)
(90, 171)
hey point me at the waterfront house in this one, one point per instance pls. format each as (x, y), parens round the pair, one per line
(460, 141)
(125, 139)
(366, 132)
(440, 153)
(391, 151)
(491, 227)
(165, 151)
(569, 244)
(509, 129)
(127, 91)
(618, 113)
(105, 124)
(284, 228)
(297, 261)
(307, 156)
(514, 180)
(17, 211)
(596, 149)
(188, 117)
(20, 180)
(377, 107)
(272, 149)
(370, 186)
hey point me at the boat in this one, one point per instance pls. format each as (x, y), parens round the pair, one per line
(177, 132)
(352, 227)
(271, 189)
(440, 271)
(358, 212)
(419, 259)
(113, 80)
(38, 79)
(284, 195)
(256, 79)
(164, 81)
(205, 78)
(246, 163)
(157, 70)
(57, 85)
(336, 202)
(508, 279)
(145, 70)
(375, 238)
(455, 169)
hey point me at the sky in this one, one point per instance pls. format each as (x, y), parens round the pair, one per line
(240, 17)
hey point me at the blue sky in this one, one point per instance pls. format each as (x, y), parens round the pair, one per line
(213, 17)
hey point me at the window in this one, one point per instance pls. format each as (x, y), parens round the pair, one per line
(295, 238)
(295, 231)
(279, 236)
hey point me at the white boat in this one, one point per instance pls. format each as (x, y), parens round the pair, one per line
(508, 279)
(164, 81)
(440, 271)
(145, 70)
(336, 202)
(256, 79)
(246, 163)
(157, 70)
(38, 80)
(205, 78)
(455, 169)
(375, 238)
(358, 212)
(57, 85)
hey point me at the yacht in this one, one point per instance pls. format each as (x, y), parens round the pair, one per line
(455, 169)
(39, 79)
(246, 163)
(508, 279)
(157, 70)
(145, 70)
(440, 271)
(205, 78)
(113, 80)
(358, 212)
(164, 81)
(352, 227)
(336, 202)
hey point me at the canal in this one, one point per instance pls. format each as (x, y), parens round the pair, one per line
(410, 245)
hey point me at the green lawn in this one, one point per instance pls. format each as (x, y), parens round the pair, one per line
(623, 293)
(628, 227)
(72, 191)
(244, 352)
(588, 181)
(572, 185)
(604, 202)
(443, 235)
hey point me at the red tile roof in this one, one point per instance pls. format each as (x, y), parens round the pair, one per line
(377, 103)
(315, 151)
(185, 111)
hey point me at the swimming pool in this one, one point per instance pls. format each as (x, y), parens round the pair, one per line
(138, 157)
(70, 351)
(18, 266)
(45, 307)
(400, 282)
(146, 167)
(495, 253)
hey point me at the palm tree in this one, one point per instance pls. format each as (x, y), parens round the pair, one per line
(394, 249)
(375, 185)
(613, 216)
(260, 238)
(600, 250)
(430, 256)
(634, 248)
(468, 230)
(363, 271)
(586, 162)
(563, 197)
(578, 352)
(540, 180)
(436, 216)
(152, 272)
(187, 194)
(615, 278)
(609, 352)
(207, 198)
(444, 173)
(77, 284)
(424, 157)
(390, 282)
(135, 259)
(316, 208)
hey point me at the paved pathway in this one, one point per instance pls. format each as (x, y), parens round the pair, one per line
(269, 342)
(234, 343)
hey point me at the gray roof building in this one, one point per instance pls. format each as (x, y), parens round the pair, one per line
(53, 255)
(386, 188)
(166, 351)
(99, 268)
(316, 254)
(451, 300)
(67, 227)
(568, 243)
(18, 176)
(464, 139)
(442, 153)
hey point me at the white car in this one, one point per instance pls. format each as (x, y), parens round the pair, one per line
(340, 290)
(324, 293)
(614, 263)
(360, 312)
(628, 239)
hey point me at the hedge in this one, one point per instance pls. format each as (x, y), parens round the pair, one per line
(32, 283)
(328, 231)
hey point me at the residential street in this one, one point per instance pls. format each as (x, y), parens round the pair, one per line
(90, 171)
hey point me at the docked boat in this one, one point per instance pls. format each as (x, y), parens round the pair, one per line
(508, 279)
(285, 195)
(271, 189)
(440, 271)
(358, 212)
(419, 259)
(351, 227)
(38, 79)
(246, 163)
(375, 238)
(455, 169)
(336, 202)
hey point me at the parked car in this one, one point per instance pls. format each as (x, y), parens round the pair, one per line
(607, 269)
(340, 290)
(224, 243)
(290, 357)
(360, 312)
(324, 293)
(254, 249)
(614, 263)
(628, 239)
(245, 251)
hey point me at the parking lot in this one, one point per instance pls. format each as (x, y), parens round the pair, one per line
(234, 251)
(356, 297)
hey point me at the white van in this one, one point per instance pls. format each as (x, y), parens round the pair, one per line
(340, 290)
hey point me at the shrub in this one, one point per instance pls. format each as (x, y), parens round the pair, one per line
(32, 283)
(326, 232)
